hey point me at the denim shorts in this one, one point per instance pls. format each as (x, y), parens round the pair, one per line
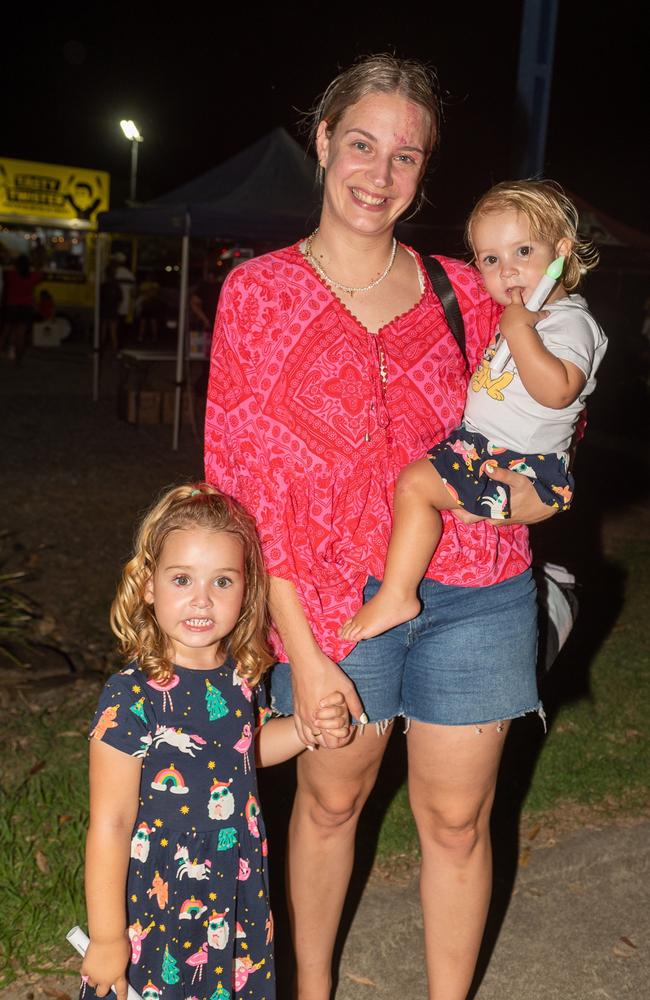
(468, 658)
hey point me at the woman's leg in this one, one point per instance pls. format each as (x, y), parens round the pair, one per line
(420, 494)
(452, 778)
(333, 786)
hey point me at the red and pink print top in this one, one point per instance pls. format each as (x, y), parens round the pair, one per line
(303, 430)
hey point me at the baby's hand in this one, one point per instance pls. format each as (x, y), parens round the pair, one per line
(332, 715)
(516, 315)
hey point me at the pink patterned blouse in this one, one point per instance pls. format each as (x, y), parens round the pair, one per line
(304, 431)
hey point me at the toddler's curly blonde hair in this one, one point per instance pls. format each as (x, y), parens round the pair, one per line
(133, 620)
(552, 217)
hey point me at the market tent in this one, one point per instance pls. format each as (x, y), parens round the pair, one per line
(265, 193)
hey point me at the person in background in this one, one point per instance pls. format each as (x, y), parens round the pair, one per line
(21, 281)
(203, 302)
(126, 280)
(150, 310)
(110, 299)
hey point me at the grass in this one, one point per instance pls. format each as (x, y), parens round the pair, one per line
(597, 752)
(43, 819)
(596, 756)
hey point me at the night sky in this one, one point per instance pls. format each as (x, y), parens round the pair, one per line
(201, 86)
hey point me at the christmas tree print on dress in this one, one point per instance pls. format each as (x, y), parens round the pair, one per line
(138, 709)
(217, 707)
(170, 972)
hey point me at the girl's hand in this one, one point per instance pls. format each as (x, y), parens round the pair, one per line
(105, 964)
(332, 715)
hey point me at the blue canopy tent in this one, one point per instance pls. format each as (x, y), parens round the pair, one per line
(265, 193)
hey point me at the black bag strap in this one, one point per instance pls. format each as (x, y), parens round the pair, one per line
(444, 289)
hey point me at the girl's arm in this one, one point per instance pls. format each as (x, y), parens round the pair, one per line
(550, 380)
(114, 796)
(278, 739)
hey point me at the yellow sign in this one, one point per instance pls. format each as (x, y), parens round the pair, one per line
(49, 193)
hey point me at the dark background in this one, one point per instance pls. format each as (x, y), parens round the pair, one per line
(203, 82)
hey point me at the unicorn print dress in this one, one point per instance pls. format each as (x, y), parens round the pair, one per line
(197, 889)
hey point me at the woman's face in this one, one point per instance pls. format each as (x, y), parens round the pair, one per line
(373, 162)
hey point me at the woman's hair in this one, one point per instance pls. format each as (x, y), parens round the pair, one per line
(551, 215)
(133, 619)
(383, 74)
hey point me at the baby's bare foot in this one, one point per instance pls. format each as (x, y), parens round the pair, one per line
(381, 612)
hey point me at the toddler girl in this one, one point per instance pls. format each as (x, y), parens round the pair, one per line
(176, 867)
(523, 417)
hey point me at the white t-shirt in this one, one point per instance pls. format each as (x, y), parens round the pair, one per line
(127, 286)
(499, 407)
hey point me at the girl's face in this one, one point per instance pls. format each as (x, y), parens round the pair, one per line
(508, 258)
(373, 162)
(197, 592)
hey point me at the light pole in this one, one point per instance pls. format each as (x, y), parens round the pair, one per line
(133, 134)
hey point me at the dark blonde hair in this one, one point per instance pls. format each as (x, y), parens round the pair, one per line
(384, 74)
(552, 217)
(133, 620)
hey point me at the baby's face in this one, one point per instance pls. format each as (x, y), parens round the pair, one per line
(509, 258)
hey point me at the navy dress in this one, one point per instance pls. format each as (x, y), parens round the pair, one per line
(197, 890)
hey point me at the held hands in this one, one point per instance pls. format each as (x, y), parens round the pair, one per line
(332, 717)
(321, 719)
(105, 965)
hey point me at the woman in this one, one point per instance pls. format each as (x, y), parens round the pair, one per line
(332, 368)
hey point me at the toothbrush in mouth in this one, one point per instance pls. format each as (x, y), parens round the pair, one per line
(537, 299)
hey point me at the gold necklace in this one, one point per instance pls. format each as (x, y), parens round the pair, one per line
(350, 289)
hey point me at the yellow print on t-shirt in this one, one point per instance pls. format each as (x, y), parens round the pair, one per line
(482, 379)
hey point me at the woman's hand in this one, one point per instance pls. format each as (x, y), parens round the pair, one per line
(314, 679)
(525, 504)
(105, 964)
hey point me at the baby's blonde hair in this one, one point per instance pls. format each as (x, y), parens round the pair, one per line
(552, 217)
(133, 619)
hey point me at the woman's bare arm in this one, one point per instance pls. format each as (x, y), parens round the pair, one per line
(314, 675)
